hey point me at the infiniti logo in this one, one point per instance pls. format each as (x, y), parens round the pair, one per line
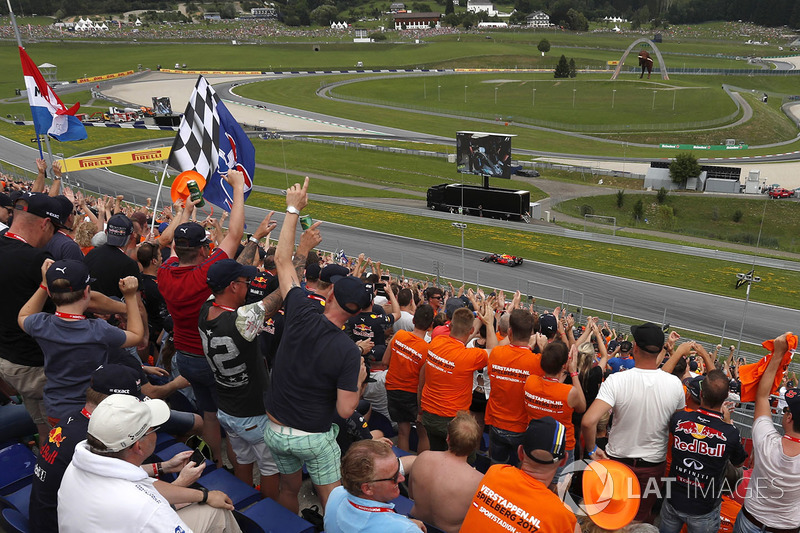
(688, 462)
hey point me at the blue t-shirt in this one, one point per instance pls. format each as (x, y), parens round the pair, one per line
(351, 514)
(72, 351)
(618, 363)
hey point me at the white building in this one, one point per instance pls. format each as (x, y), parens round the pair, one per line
(416, 21)
(476, 6)
(538, 19)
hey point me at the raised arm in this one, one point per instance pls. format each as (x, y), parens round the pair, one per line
(236, 225)
(36, 302)
(767, 381)
(250, 249)
(296, 199)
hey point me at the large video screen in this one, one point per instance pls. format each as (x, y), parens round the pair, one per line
(485, 154)
(162, 105)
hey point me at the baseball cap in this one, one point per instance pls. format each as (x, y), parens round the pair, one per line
(41, 205)
(545, 434)
(75, 272)
(610, 493)
(649, 337)
(351, 294)
(117, 379)
(792, 398)
(224, 271)
(65, 208)
(191, 235)
(163, 226)
(693, 386)
(121, 420)
(312, 271)
(451, 305)
(5, 200)
(118, 230)
(548, 324)
(332, 273)
(625, 346)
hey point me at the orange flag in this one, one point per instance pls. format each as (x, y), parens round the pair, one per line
(750, 375)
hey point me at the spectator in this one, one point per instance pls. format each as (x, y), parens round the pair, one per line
(63, 245)
(448, 372)
(228, 329)
(405, 359)
(772, 502)
(318, 370)
(508, 368)
(69, 331)
(6, 210)
(642, 399)
(109, 263)
(701, 443)
(443, 482)
(546, 395)
(622, 360)
(405, 299)
(182, 282)
(518, 499)
(105, 484)
(83, 235)
(149, 258)
(370, 477)
(434, 296)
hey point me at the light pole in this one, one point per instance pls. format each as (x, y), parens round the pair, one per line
(573, 96)
(533, 98)
(674, 95)
(750, 278)
(462, 227)
(495, 96)
(465, 94)
(424, 89)
(654, 100)
(439, 92)
(613, 97)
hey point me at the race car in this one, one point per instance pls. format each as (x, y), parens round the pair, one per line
(503, 259)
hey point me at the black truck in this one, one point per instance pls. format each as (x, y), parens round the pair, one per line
(505, 204)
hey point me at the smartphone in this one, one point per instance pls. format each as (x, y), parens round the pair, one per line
(197, 457)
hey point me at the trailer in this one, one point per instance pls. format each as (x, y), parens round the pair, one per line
(504, 204)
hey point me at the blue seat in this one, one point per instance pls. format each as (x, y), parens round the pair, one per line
(240, 493)
(400, 452)
(402, 505)
(268, 516)
(378, 421)
(164, 440)
(16, 468)
(19, 500)
(13, 521)
(15, 422)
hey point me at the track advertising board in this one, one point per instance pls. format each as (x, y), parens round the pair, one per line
(484, 154)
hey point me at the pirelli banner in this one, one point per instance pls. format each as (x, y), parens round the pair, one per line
(74, 164)
(105, 77)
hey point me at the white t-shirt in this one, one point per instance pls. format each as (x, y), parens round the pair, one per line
(643, 402)
(782, 399)
(405, 322)
(773, 494)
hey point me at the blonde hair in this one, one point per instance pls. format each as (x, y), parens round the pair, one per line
(84, 233)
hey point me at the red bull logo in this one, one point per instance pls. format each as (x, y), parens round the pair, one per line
(699, 447)
(699, 431)
(56, 437)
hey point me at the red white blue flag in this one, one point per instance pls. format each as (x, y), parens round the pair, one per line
(50, 115)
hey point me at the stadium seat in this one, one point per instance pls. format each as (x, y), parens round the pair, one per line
(240, 493)
(13, 521)
(15, 422)
(19, 500)
(402, 505)
(164, 440)
(16, 468)
(378, 421)
(399, 452)
(268, 516)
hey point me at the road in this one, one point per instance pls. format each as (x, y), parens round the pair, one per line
(647, 301)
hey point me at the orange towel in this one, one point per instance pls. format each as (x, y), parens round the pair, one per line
(750, 375)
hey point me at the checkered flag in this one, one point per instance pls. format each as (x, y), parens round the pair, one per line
(197, 144)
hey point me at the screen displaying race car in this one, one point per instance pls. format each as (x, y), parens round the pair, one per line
(485, 154)
(503, 259)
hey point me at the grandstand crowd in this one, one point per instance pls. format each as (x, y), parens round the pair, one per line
(124, 327)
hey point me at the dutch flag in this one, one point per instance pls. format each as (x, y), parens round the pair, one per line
(50, 115)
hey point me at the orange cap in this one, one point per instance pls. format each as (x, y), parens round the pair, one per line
(611, 493)
(179, 189)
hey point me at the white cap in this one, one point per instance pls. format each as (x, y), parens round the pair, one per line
(120, 420)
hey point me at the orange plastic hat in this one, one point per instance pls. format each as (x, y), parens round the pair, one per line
(179, 189)
(611, 493)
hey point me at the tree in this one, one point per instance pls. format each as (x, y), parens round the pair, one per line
(449, 7)
(562, 68)
(638, 210)
(324, 15)
(543, 46)
(661, 195)
(620, 198)
(684, 166)
(572, 70)
(227, 11)
(576, 20)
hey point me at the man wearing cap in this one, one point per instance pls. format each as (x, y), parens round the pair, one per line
(56, 454)
(643, 400)
(62, 245)
(109, 263)
(6, 210)
(318, 370)
(702, 443)
(447, 375)
(105, 486)
(622, 360)
(370, 477)
(772, 501)
(73, 345)
(182, 282)
(228, 330)
(518, 499)
(21, 256)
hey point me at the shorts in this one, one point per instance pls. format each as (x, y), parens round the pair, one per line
(29, 382)
(246, 435)
(402, 405)
(197, 372)
(318, 451)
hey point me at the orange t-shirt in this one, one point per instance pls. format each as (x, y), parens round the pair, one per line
(448, 375)
(549, 398)
(509, 366)
(509, 500)
(407, 357)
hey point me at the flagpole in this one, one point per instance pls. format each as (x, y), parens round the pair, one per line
(158, 196)
(19, 43)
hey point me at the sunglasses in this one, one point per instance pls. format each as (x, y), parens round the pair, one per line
(393, 479)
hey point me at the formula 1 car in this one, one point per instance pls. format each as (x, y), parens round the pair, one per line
(503, 259)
